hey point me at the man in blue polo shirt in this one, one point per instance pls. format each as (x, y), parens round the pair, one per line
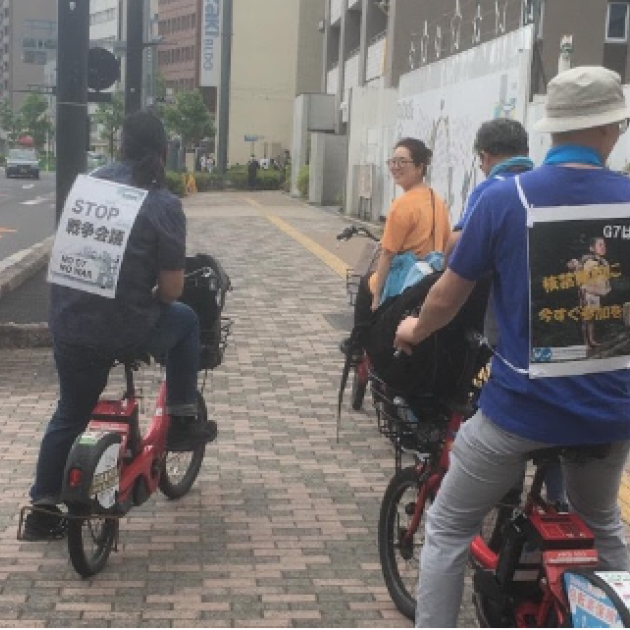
(585, 114)
(502, 150)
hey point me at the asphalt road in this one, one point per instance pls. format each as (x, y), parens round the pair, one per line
(27, 212)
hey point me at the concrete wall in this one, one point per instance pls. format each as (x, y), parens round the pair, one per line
(327, 176)
(311, 112)
(371, 131)
(308, 67)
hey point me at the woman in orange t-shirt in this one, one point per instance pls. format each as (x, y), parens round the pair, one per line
(418, 221)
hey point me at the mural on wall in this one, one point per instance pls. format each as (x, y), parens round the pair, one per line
(445, 103)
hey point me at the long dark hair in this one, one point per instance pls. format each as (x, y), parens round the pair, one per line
(144, 144)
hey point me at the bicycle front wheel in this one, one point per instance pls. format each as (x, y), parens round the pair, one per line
(181, 468)
(399, 547)
(90, 541)
(359, 385)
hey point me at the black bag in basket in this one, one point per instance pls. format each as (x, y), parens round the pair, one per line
(443, 364)
(205, 287)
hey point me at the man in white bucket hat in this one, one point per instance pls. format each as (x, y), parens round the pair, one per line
(585, 115)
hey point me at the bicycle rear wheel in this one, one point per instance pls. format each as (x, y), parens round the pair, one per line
(399, 548)
(90, 541)
(181, 468)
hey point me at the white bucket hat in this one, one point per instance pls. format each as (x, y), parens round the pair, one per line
(581, 98)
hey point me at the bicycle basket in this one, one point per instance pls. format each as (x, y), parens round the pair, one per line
(205, 287)
(419, 426)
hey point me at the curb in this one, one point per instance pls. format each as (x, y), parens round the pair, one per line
(19, 267)
(14, 271)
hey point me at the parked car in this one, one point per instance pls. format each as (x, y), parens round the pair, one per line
(22, 162)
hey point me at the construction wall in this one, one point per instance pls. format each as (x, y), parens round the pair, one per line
(444, 104)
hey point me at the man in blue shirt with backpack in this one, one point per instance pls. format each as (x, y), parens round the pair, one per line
(585, 114)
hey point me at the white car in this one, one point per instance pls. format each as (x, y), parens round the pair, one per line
(22, 162)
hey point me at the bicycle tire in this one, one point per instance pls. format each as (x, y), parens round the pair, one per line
(188, 462)
(90, 562)
(402, 589)
(358, 390)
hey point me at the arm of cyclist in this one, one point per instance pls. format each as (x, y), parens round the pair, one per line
(443, 302)
(170, 286)
(382, 271)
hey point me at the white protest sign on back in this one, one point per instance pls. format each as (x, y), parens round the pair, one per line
(92, 235)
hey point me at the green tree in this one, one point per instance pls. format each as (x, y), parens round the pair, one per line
(35, 119)
(110, 116)
(189, 117)
(10, 122)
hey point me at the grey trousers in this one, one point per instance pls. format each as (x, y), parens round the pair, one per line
(485, 463)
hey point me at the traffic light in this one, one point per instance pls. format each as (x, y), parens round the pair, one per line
(103, 69)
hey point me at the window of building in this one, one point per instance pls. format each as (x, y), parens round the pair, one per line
(36, 57)
(617, 22)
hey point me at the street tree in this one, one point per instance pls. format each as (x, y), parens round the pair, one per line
(189, 117)
(110, 116)
(10, 121)
(35, 119)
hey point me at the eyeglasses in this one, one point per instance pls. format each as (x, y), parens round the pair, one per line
(623, 125)
(397, 162)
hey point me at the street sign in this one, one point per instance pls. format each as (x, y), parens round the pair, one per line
(252, 138)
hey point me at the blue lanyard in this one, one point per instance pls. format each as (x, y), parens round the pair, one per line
(573, 153)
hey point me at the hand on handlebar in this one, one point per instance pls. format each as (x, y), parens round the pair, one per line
(405, 338)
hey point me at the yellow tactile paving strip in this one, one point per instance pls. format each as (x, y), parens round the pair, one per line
(340, 267)
(334, 262)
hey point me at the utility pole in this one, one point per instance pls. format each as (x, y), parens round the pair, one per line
(73, 19)
(135, 49)
(224, 90)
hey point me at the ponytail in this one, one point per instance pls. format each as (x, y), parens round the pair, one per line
(144, 144)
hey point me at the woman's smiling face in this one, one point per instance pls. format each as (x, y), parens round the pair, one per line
(405, 173)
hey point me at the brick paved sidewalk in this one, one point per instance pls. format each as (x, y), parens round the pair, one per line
(280, 529)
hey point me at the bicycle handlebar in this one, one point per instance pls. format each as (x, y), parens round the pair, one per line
(474, 340)
(352, 230)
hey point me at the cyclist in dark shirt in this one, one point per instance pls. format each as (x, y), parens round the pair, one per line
(90, 331)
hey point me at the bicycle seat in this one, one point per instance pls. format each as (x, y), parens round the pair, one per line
(133, 357)
(575, 454)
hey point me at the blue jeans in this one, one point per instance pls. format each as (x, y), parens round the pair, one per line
(83, 373)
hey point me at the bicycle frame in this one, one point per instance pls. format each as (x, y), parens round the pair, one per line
(139, 455)
(566, 544)
(152, 446)
(431, 476)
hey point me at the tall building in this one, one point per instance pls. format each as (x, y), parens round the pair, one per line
(391, 67)
(276, 54)
(28, 41)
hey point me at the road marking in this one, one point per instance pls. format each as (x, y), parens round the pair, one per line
(335, 263)
(34, 202)
(6, 231)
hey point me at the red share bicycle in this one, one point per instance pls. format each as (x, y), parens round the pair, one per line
(359, 363)
(113, 467)
(533, 567)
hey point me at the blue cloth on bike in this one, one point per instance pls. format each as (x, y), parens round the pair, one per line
(407, 269)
